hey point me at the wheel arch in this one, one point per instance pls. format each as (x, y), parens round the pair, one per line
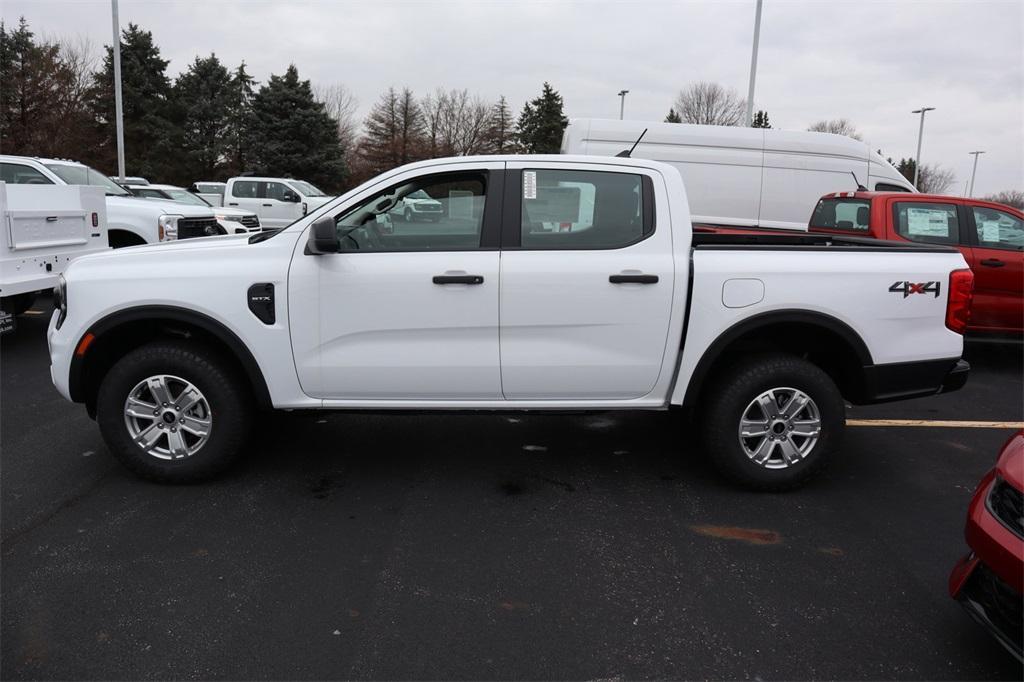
(827, 341)
(125, 330)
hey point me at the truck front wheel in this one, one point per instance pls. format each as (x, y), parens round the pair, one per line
(773, 422)
(173, 412)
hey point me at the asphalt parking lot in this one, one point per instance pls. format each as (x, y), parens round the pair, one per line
(476, 546)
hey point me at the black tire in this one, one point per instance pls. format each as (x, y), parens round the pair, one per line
(19, 303)
(728, 399)
(229, 403)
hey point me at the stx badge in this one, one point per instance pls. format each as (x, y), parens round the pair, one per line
(908, 288)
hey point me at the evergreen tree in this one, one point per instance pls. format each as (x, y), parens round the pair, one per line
(761, 120)
(204, 95)
(394, 132)
(297, 137)
(540, 126)
(501, 129)
(37, 114)
(673, 117)
(238, 128)
(151, 140)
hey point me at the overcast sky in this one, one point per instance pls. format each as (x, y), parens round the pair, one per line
(872, 62)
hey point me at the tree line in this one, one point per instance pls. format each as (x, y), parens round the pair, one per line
(212, 122)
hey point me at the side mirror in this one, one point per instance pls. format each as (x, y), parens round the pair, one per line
(323, 237)
(290, 196)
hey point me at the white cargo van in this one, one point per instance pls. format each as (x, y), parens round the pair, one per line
(45, 226)
(758, 177)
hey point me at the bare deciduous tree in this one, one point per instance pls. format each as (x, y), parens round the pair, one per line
(1009, 197)
(710, 104)
(457, 124)
(838, 126)
(935, 179)
(341, 105)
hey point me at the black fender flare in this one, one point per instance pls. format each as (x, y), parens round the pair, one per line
(77, 379)
(767, 319)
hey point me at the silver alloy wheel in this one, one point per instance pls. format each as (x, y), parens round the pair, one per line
(168, 417)
(780, 427)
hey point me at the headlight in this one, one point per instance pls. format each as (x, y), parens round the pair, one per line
(229, 218)
(167, 227)
(60, 300)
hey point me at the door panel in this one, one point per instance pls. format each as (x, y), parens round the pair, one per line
(378, 323)
(568, 331)
(998, 265)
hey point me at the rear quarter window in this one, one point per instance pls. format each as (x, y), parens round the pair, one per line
(853, 215)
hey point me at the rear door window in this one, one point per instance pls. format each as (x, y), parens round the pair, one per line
(842, 214)
(931, 223)
(998, 229)
(888, 187)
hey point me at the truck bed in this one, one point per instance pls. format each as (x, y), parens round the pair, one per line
(808, 242)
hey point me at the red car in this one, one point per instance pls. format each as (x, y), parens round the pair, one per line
(989, 581)
(990, 236)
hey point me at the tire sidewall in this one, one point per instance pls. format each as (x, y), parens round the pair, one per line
(207, 374)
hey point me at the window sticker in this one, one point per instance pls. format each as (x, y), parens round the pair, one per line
(529, 184)
(990, 231)
(556, 205)
(927, 222)
(460, 204)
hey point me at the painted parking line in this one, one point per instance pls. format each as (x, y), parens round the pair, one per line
(935, 422)
(35, 312)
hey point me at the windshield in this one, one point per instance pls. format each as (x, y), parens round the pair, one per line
(306, 189)
(185, 197)
(83, 175)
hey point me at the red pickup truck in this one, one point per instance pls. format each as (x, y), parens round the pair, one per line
(990, 236)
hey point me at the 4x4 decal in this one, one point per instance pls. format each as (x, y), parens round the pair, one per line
(908, 288)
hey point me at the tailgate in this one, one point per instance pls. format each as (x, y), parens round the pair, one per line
(69, 218)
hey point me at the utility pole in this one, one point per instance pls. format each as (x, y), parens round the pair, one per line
(118, 108)
(753, 65)
(622, 103)
(920, 132)
(970, 193)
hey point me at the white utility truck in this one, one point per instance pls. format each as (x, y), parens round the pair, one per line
(44, 227)
(748, 177)
(277, 201)
(174, 349)
(131, 221)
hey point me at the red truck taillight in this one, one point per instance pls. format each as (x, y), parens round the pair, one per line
(958, 306)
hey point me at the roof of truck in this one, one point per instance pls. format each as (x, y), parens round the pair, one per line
(868, 196)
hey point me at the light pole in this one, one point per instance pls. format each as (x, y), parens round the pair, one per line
(753, 65)
(622, 103)
(118, 110)
(970, 193)
(920, 132)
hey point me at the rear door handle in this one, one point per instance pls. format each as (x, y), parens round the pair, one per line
(268, 205)
(232, 203)
(993, 263)
(633, 279)
(458, 279)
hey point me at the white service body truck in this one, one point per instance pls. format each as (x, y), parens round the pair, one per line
(131, 221)
(44, 227)
(173, 349)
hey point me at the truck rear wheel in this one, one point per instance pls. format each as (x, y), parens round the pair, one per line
(173, 412)
(773, 422)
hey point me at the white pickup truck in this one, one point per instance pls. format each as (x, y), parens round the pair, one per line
(277, 201)
(131, 221)
(44, 227)
(518, 297)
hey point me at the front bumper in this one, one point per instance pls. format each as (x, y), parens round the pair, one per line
(990, 602)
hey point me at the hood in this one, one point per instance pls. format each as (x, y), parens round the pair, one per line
(224, 210)
(316, 202)
(431, 202)
(159, 207)
(1011, 461)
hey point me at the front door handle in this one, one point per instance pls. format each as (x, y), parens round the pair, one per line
(232, 203)
(458, 279)
(633, 279)
(993, 263)
(268, 205)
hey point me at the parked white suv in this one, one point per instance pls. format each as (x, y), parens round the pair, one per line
(131, 221)
(232, 220)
